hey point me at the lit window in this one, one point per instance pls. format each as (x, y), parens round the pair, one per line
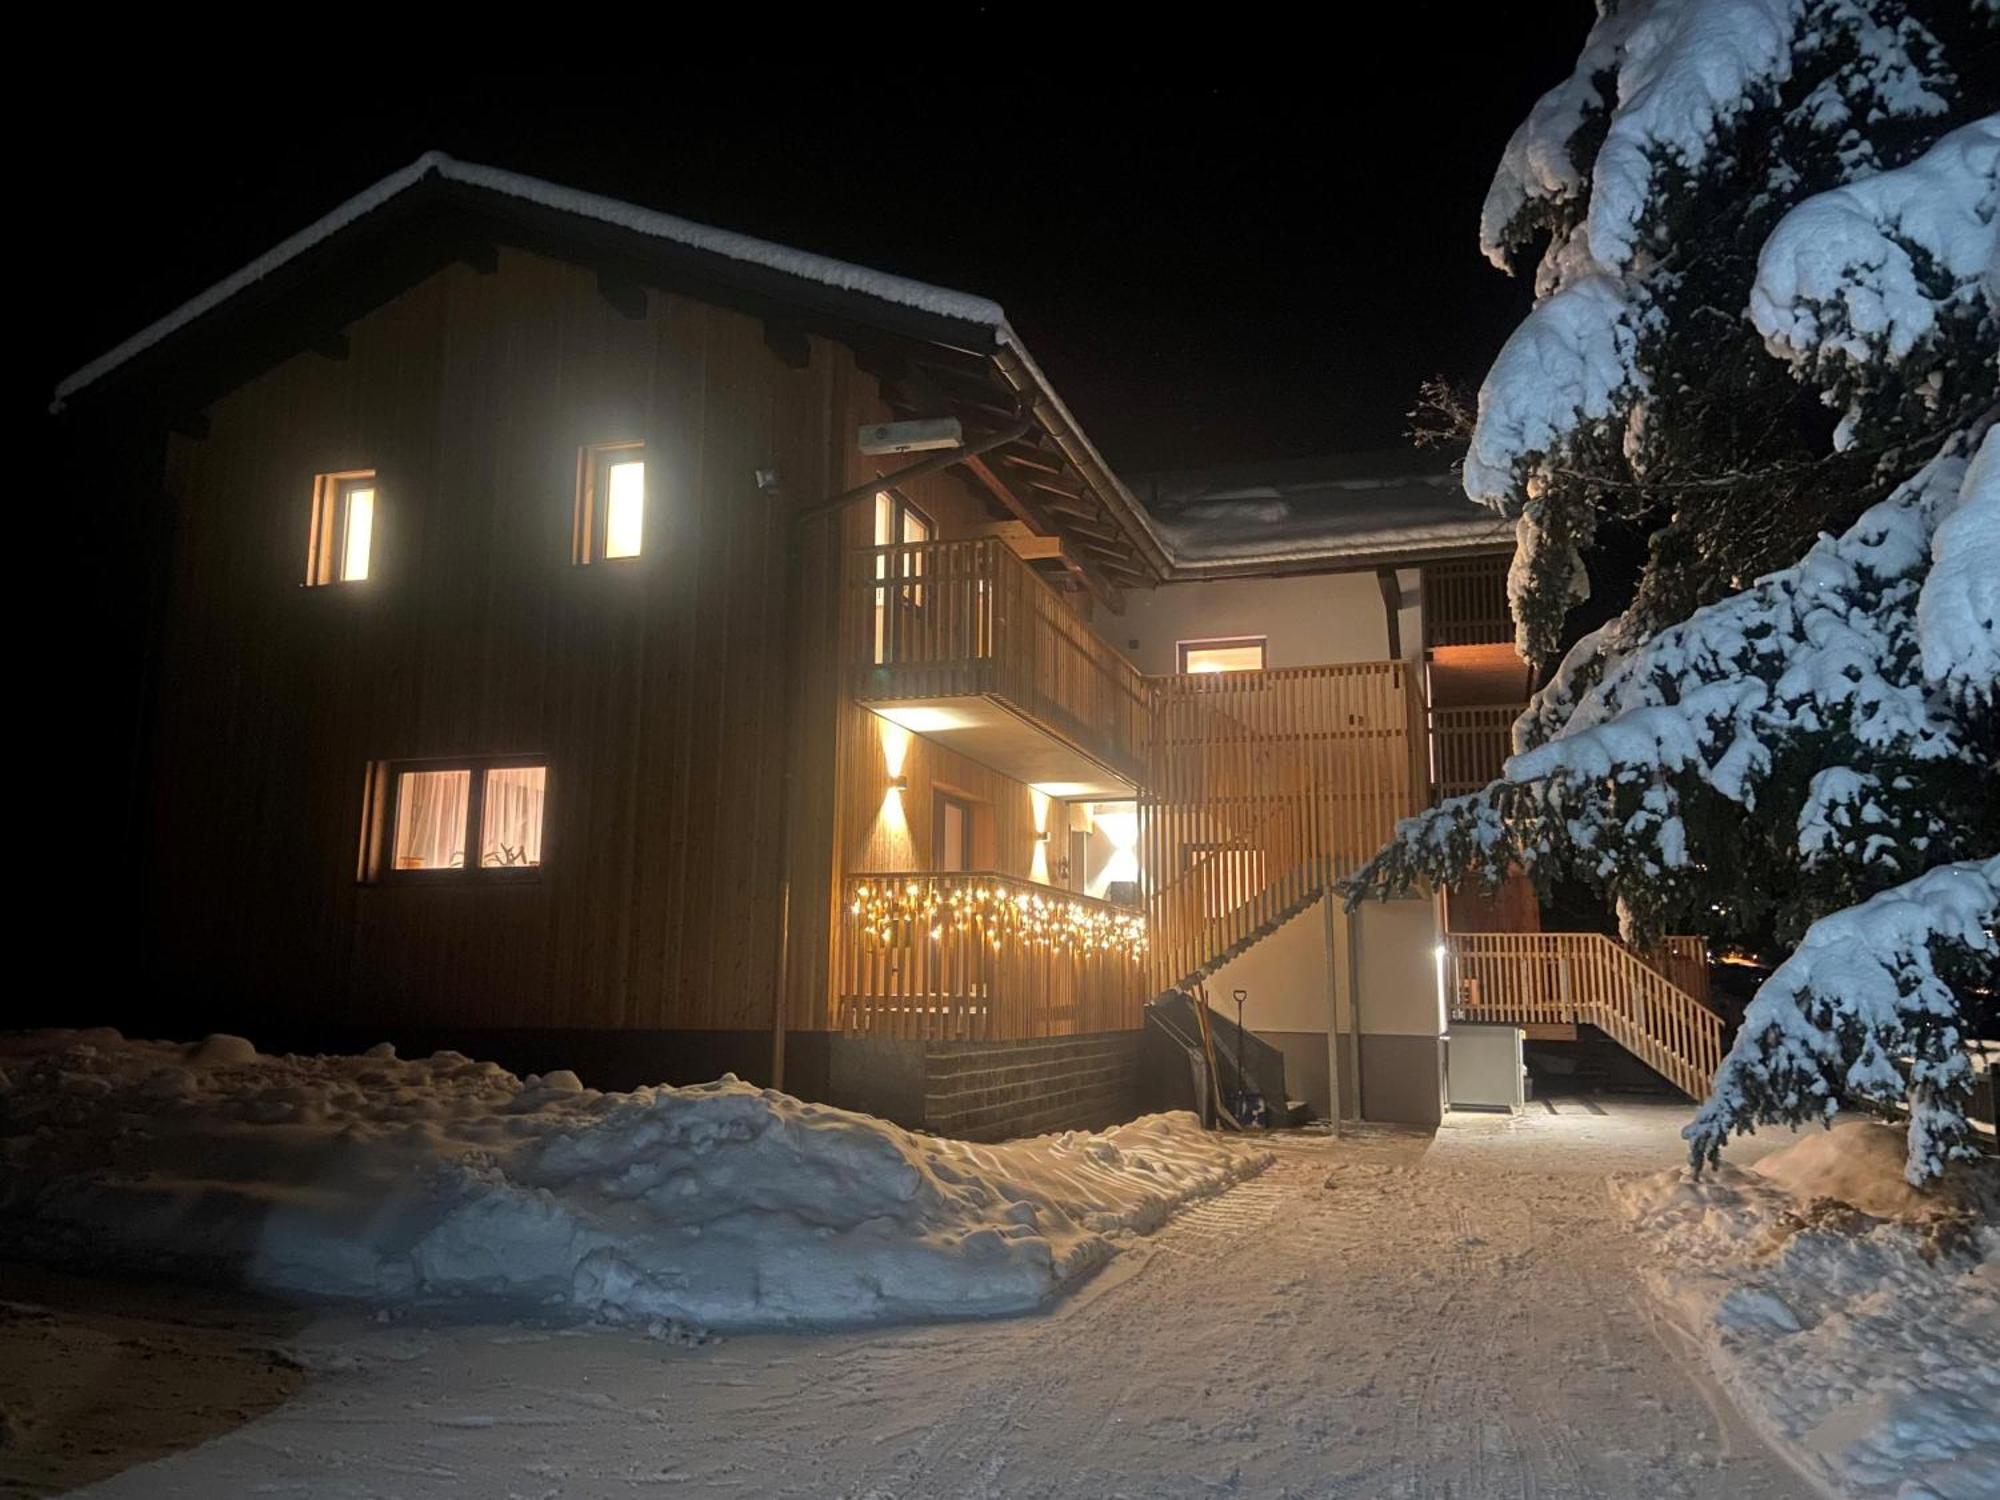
(1245, 654)
(610, 502)
(434, 808)
(431, 808)
(343, 527)
(510, 817)
(899, 525)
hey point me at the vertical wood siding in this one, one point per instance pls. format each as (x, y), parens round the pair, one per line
(647, 684)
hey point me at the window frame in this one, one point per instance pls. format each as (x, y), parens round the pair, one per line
(378, 822)
(1222, 643)
(590, 524)
(326, 542)
(910, 596)
(943, 802)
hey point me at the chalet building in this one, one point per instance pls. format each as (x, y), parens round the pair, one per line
(535, 625)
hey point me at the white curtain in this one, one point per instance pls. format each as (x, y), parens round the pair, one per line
(511, 817)
(431, 808)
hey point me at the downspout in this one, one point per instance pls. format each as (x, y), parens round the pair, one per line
(795, 582)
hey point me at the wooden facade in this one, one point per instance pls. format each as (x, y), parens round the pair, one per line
(702, 710)
(644, 683)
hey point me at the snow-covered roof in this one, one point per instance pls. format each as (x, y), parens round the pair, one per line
(899, 291)
(1351, 510)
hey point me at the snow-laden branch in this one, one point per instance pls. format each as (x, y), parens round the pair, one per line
(1958, 613)
(1819, 663)
(1863, 1011)
(1855, 281)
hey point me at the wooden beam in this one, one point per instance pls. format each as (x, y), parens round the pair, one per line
(626, 296)
(1392, 609)
(1026, 510)
(790, 344)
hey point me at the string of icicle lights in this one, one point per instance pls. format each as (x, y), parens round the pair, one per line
(890, 911)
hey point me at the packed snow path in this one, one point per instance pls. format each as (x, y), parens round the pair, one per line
(1383, 1316)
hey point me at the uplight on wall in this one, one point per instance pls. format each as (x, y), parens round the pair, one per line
(1038, 863)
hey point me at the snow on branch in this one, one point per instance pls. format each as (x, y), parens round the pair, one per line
(1571, 363)
(1864, 1010)
(1958, 613)
(1869, 274)
(1820, 662)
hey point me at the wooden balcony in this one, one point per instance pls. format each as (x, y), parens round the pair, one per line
(1465, 603)
(964, 642)
(1470, 745)
(984, 957)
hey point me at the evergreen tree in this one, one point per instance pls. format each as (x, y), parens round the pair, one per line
(1769, 311)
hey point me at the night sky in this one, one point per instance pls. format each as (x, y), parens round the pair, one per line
(1213, 264)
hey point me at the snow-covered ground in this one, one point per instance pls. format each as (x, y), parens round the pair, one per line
(1383, 1315)
(1855, 1320)
(1388, 1315)
(397, 1182)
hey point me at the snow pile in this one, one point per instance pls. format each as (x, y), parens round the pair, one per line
(1855, 1321)
(716, 1206)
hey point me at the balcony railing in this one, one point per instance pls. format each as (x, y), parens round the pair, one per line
(983, 957)
(1264, 787)
(1470, 745)
(936, 620)
(1465, 603)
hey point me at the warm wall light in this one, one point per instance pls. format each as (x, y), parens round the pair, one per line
(895, 748)
(899, 783)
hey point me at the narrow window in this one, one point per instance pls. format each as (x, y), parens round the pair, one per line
(1242, 654)
(343, 527)
(951, 834)
(610, 502)
(900, 532)
(434, 809)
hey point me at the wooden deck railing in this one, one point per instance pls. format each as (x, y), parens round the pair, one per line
(1465, 603)
(1470, 745)
(1262, 788)
(983, 957)
(1531, 978)
(969, 618)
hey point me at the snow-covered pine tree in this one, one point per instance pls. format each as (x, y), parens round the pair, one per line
(1769, 310)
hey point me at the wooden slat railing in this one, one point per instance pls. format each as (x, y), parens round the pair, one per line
(1528, 978)
(1684, 960)
(984, 957)
(1470, 745)
(1465, 603)
(1262, 788)
(969, 618)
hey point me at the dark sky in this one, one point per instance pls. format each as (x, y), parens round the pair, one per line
(1214, 263)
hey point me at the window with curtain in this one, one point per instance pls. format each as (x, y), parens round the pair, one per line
(433, 811)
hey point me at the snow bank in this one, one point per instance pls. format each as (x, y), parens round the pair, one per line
(1861, 1336)
(716, 1206)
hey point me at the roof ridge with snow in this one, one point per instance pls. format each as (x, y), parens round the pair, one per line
(843, 275)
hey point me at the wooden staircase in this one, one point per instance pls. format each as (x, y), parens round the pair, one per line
(1537, 979)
